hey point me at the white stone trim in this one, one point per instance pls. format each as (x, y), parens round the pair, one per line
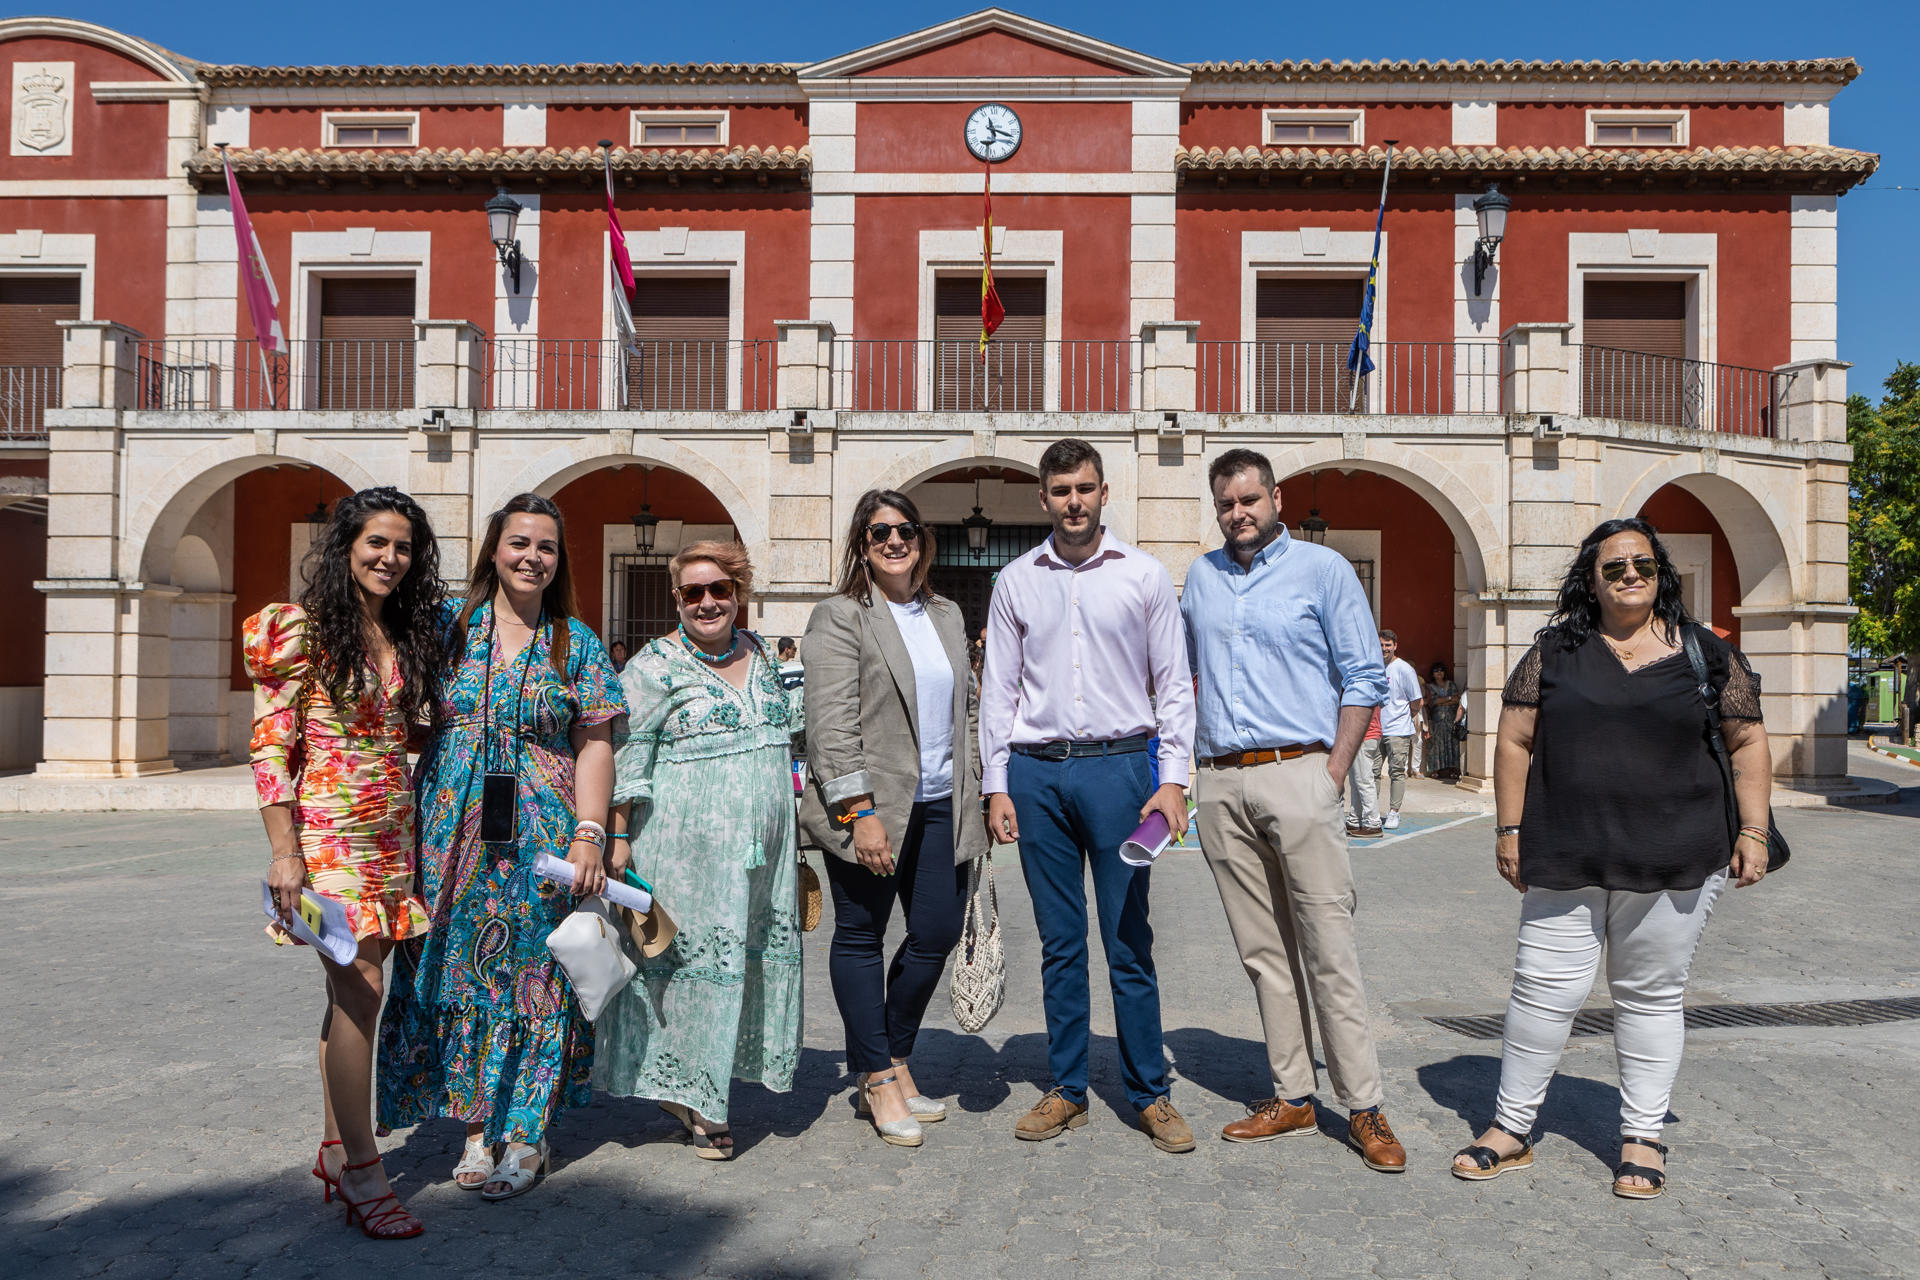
(849, 65)
(1678, 117)
(143, 91)
(1804, 124)
(830, 281)
(147, 55)
(39, 253)
(1813, 295)
(641, 117)
(320, 255)
(1693, 258)
(1656, 91)
(678, 251)
(85, 188)
(1016, 252)
(1355, 116)
(230, 124)
(523, 124)
(518, 315)
(332, 121)
(1012, 89)
(1476, 122)
(469, 95)
(972, 182)
(1310, 251)
(1692, 553)
(1156, 139)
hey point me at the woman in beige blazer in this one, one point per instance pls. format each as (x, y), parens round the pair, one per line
(896, 782)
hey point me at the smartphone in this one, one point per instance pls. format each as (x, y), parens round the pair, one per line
(499, 808)
(633, 879)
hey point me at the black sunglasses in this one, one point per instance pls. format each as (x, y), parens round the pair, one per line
(879, 532)
(1646, 566)
(695, 592)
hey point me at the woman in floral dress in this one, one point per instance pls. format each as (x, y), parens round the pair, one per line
(706, 782)
(339, 680)
(482, 1026)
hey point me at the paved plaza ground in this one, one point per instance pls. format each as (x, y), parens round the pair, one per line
(158, 1099)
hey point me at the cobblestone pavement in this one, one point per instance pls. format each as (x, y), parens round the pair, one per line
(157, 1106)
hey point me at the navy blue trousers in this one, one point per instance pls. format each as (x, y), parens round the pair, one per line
(1073, 814)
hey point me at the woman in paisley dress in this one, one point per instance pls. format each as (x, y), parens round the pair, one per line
(704, 794)
(339, 680)
(482, 1026)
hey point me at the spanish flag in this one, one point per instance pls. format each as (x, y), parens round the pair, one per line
(992, 312)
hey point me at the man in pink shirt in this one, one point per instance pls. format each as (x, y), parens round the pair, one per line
(1083, 634)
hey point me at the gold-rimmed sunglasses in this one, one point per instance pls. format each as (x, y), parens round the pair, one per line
(1646, 566)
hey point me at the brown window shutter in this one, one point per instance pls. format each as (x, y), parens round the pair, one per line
(365, 356)
(1013, 377)
(1635, 363)
(1302, 330)
(31, 342)
(681, 326)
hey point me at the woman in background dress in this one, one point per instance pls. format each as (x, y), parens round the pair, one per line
(1443, 717)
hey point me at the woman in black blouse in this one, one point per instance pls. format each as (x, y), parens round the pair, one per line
(1613, 823)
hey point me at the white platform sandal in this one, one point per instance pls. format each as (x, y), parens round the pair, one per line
(513, 1171)
(477, 1157)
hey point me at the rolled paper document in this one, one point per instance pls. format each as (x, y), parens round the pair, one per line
(548, 867)
(1148, 841)
(320, 922)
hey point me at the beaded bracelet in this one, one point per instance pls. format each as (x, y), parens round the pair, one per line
(620, 835)
(593, 833)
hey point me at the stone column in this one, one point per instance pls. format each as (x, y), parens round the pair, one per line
(1167, 363)
(806, 364)
(1537, 376)
(1813, 402)
(449, 356)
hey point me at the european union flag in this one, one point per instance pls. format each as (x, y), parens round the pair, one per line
(1359, 363)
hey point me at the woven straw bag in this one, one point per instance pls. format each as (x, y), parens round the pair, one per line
(980, 960)
(810, 896)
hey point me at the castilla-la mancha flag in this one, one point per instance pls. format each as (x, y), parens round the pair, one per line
(992, 311)
(263, 300)
(620, 279)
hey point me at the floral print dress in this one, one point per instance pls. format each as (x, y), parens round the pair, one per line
(707, 767)
(481, 1025)
(344, 771)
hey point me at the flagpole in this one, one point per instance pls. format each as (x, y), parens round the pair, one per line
(262, 342)
(1353, 388)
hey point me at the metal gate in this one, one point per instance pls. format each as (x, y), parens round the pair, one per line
(968, 581)
(641, 592)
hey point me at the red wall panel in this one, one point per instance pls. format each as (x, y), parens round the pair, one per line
(1674, 510)
(110, 139)
(1564, 124)
(130, 251)
(461, 127)
(1055, 137)
(1239, 124)
(265, 504)
(611, 496)
(994, 54)
(772, 124)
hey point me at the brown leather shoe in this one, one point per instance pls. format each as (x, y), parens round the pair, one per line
(1052, 1116)
(1370, 1135)
(1271, 1118)
(1165, 1127)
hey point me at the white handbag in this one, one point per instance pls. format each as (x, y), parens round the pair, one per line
(979, 959)
(587, 945)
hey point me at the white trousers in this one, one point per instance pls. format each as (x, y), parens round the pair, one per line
(1650, 940)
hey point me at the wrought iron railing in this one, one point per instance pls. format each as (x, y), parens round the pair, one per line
(189, 374)
(1013, 375)
(27, 391)
(1665, 391)
(604, 374)
(1312, 378)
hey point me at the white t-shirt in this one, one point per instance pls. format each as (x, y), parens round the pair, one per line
(1403, 687)
(933, 699)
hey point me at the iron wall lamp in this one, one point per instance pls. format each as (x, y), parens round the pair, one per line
(503, 220)
(1490, 211)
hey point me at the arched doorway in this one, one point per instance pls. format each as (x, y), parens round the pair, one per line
(969, 558)
(1698, 546)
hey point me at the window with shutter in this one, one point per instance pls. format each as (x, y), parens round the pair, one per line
(1302, 330)
(1634, 362)
(1013, 376)
(364, 359)
(681, 326)
(31, 308)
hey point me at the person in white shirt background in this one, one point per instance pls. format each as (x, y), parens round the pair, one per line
(1400, 719)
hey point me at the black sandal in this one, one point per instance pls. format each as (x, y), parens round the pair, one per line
(1628, 1169)
(1491, 1164)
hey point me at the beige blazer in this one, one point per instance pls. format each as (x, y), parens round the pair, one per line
(863, 724)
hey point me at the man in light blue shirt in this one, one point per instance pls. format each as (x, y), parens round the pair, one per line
(1288, 662)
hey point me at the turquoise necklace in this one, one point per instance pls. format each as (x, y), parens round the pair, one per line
(713, 659)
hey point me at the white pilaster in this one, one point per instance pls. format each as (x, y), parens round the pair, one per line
(1475, 123)
(830, 287)
(1156, 137)
(1814, 292)
(524, 125)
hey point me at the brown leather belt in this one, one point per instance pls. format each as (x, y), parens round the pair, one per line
(1240, 759)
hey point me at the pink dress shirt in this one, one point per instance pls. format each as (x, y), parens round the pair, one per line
(1072, 655)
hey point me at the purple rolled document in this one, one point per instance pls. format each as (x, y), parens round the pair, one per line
(1148, 841)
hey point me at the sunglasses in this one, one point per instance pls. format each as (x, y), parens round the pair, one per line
(695, 592)
(1646, 566)
(878, 533)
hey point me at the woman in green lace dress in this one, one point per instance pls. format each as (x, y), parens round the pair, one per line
(706, 786)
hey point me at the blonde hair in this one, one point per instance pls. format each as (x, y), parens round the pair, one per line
(729, 557)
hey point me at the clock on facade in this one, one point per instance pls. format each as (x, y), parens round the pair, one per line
(993, 132)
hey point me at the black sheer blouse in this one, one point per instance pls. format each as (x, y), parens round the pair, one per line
(1623, 791)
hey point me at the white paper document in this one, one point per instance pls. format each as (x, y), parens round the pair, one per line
(548, 867)
(320, 922)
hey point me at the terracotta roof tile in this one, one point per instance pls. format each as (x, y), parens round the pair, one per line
(1851, 166)
(233, 76)
(500, 162)
(1815, 70)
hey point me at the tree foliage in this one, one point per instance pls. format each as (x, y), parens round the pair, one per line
(1883, 515)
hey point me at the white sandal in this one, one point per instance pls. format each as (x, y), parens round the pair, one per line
(517, 1176)
(477, 1157)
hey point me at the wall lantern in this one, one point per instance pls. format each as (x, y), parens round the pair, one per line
(1314, 527)
(1490, 210)
(645, 524)
(317, 516)
(503, 219)
(976, 526)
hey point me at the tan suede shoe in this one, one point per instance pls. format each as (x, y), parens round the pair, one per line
(1165, 1127)
(1272, 1118)
(1052, 1116)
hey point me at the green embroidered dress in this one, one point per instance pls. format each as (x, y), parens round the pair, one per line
(707, 768)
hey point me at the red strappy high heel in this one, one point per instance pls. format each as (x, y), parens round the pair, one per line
(320, 1169)
(374, 1222)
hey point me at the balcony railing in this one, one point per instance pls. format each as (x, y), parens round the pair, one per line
(599, 374)
(27, 391)
(910, 375)
(186, 374)
(1312, 378)
(1665, 391)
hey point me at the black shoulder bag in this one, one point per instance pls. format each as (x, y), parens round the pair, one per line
(1777, 850)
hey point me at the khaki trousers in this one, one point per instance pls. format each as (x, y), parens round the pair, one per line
(1273, 835)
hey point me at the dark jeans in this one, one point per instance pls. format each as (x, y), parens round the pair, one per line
(883, 1015)
(1074, 813)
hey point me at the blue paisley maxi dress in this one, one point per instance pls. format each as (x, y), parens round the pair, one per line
(481, 1025)
(707, 767)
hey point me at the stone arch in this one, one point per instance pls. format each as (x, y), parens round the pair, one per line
(150, 56)
(923, 464)
(1754, 525)
(154, 527)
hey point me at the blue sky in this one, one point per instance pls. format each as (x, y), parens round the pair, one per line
(1879, 228)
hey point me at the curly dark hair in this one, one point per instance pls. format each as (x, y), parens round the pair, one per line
(411, 613)
(1578, 610)
(558, 599)
(855, 580)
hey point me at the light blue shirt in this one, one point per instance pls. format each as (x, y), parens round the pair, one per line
(1279, 647)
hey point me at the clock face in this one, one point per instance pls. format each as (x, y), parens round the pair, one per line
(993, 132)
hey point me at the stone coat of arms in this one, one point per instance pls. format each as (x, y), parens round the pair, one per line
(42, 109)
